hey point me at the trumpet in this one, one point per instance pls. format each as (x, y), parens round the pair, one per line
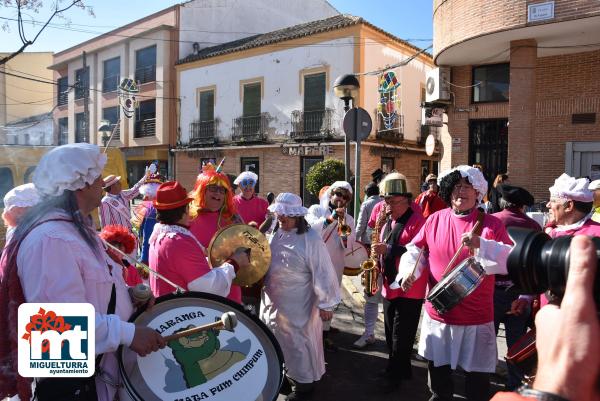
(344, 230)
(370, 267)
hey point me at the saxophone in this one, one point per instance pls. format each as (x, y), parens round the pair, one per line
(370, 267)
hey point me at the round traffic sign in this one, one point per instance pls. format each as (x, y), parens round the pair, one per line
(430, 144)
(361, 128)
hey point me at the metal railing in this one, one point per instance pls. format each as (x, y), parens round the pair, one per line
(116, 128)
(81, 137)
(81, 88)
(394, 133)
(110, 84)
(145, 74)
(145, 128)
(63, 97)
(424, 131)
(309, 125)
(250, 128)
(203, 132)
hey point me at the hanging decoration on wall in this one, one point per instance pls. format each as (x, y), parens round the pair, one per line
(389, 101)
(127, 91)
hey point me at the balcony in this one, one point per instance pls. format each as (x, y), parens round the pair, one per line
(250, 129)
(424, 131)
(145, 74)
(145, 128)
(394, 132)
(203, 132)
(312, 125)
(115, 130)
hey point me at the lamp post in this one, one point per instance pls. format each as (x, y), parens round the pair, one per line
(346, 88)
(105, 129)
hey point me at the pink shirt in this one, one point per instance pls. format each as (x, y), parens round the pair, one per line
(179, 258)
(417, 291)
(204, 227)
(254, 209)
(442, 233)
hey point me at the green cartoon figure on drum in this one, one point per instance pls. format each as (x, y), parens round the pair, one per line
(200, 356)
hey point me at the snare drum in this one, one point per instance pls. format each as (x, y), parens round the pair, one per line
(456, 286)
(354, 258)
(523, 355)
(246, 364)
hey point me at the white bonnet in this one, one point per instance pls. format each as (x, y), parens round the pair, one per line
(25, 195)
(594, 185)
(340, 184)
(570, 188)
(68, 167)
(475, 177)
(245, 175)
(288, 204)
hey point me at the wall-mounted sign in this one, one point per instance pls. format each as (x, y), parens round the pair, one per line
(385, 151)
(540, 11)
(306, 150)
(430, 145)
(205, 154)
(432, 116)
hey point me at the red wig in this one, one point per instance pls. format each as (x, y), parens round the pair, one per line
(120, 235)
(210, 176)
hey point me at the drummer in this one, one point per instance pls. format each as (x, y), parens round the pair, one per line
(301, 289)
(56, 256)
(212, 209)
(176, 254)
(463, 336)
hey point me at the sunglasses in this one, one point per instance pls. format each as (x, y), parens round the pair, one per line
(340, 194)
(247, 182)
(216, 188)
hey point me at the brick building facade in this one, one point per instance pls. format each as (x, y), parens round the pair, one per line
(548, 120)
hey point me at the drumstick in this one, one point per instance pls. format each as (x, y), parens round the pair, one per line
(228, 322)
(133, 262)
(414, 270)
(462, 245)
(218, 169)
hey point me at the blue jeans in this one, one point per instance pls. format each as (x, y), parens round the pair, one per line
(515, 327)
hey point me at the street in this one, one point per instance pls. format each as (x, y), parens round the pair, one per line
(352, 374)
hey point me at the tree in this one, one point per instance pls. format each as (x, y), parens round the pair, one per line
(35, 6)
(324, 173)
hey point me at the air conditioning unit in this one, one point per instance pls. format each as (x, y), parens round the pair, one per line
(438, 85)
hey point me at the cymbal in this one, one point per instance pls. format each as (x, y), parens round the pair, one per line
(228, 239)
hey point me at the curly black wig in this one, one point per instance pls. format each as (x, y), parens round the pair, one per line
(447, 184)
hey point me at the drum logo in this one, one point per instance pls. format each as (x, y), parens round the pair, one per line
(56, 340)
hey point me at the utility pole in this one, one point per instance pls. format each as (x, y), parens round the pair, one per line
(86, 99)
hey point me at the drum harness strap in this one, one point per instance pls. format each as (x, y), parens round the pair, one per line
(477, 231)
(389, 267)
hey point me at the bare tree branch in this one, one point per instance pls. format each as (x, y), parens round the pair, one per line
(26, 42)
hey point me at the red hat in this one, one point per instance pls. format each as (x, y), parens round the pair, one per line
(171, 195)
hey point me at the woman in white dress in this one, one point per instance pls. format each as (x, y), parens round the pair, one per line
(300, 292)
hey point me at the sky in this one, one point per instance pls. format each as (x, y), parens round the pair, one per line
(407, 19)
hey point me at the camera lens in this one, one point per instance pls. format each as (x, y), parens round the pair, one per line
(538, 263)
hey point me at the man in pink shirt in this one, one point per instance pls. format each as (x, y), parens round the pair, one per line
(252, 208)
(176, 254)
(463, 336)
(402, 310)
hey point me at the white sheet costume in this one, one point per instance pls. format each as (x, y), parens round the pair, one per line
(300, 281)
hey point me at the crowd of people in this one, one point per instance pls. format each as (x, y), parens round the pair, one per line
(54, 253)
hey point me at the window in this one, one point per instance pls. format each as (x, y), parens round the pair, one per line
(491, 83)
(207, 105)
(251, 164)
(146, 119)
(112, 114)
(6, 183)
(387, 164)
(112, 71)
(63, 131)
(63, 91)
(314, 102)
(488, 145)
(81, 134)
(82, 82)
(145, 65)
(251, 109)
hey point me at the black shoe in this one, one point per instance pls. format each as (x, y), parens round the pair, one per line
(298, 396)
(334, 330)
(329, 346)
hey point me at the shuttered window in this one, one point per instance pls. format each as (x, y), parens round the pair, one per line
(314, 92)
(207, 105)
(251, 100)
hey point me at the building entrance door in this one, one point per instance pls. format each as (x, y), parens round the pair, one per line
(488, 146)
(583, 159)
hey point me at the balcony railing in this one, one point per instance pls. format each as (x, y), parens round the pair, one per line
(395, 132)
(312, 125)
(425, 131)
(110, 84)
(116, 128)
(203, 132)
(63, 97)
(250, 129)
(81, 137)
(145, 74)
(145, 128)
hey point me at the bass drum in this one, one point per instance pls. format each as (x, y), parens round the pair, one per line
(243, 365)
(354, 258)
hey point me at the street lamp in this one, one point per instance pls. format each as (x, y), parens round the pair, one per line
(346, 88)
(106, 131)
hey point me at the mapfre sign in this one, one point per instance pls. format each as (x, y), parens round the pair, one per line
(306, 150)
